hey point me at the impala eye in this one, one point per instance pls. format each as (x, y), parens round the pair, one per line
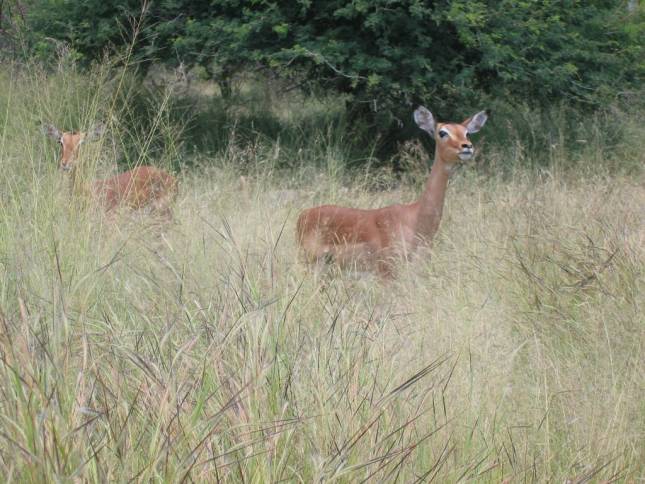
(443, 133)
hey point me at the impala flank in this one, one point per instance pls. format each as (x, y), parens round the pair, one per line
(143, 187)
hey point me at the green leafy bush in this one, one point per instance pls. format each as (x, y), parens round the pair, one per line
(384, 56)
(381, 51)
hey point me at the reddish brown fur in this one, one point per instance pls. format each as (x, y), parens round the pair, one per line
(352, 235)
(376, 237)
(141, 187)
(70, 142)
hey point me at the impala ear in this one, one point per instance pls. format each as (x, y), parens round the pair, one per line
(476, 122)
(51, 131)
(424, 120)
(96, 132)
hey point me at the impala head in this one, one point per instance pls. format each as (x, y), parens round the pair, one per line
(453, 143)
(70, 141)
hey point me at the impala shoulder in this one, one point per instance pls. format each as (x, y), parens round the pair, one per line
(398, 213)
(390, 211)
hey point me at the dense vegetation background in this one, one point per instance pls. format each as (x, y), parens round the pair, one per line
(383, 57)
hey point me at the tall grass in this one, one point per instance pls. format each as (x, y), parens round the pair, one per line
(205, 350)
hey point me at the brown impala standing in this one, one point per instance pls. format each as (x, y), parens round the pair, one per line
(378, 237)
(142, 187)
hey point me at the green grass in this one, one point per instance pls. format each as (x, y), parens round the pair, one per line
(205, 350)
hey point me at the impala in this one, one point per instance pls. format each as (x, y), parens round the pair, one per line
(142, 187)
(377, 237)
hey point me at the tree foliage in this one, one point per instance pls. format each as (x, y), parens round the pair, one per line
(385, 54)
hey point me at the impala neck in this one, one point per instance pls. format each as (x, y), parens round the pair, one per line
(432, 199)
(78, 185)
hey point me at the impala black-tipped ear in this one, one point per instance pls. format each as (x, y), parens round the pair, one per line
(424, 120)
(476, 122)
(51, 131)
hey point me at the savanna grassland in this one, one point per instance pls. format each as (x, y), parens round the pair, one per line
(205, 350)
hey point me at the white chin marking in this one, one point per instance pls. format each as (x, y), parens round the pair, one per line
(465, 156)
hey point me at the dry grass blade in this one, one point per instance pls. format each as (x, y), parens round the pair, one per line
(205, 350)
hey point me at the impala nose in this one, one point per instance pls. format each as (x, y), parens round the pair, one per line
(467, 146)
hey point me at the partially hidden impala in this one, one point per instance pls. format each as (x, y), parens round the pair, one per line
(143, 187)
(377, 238)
